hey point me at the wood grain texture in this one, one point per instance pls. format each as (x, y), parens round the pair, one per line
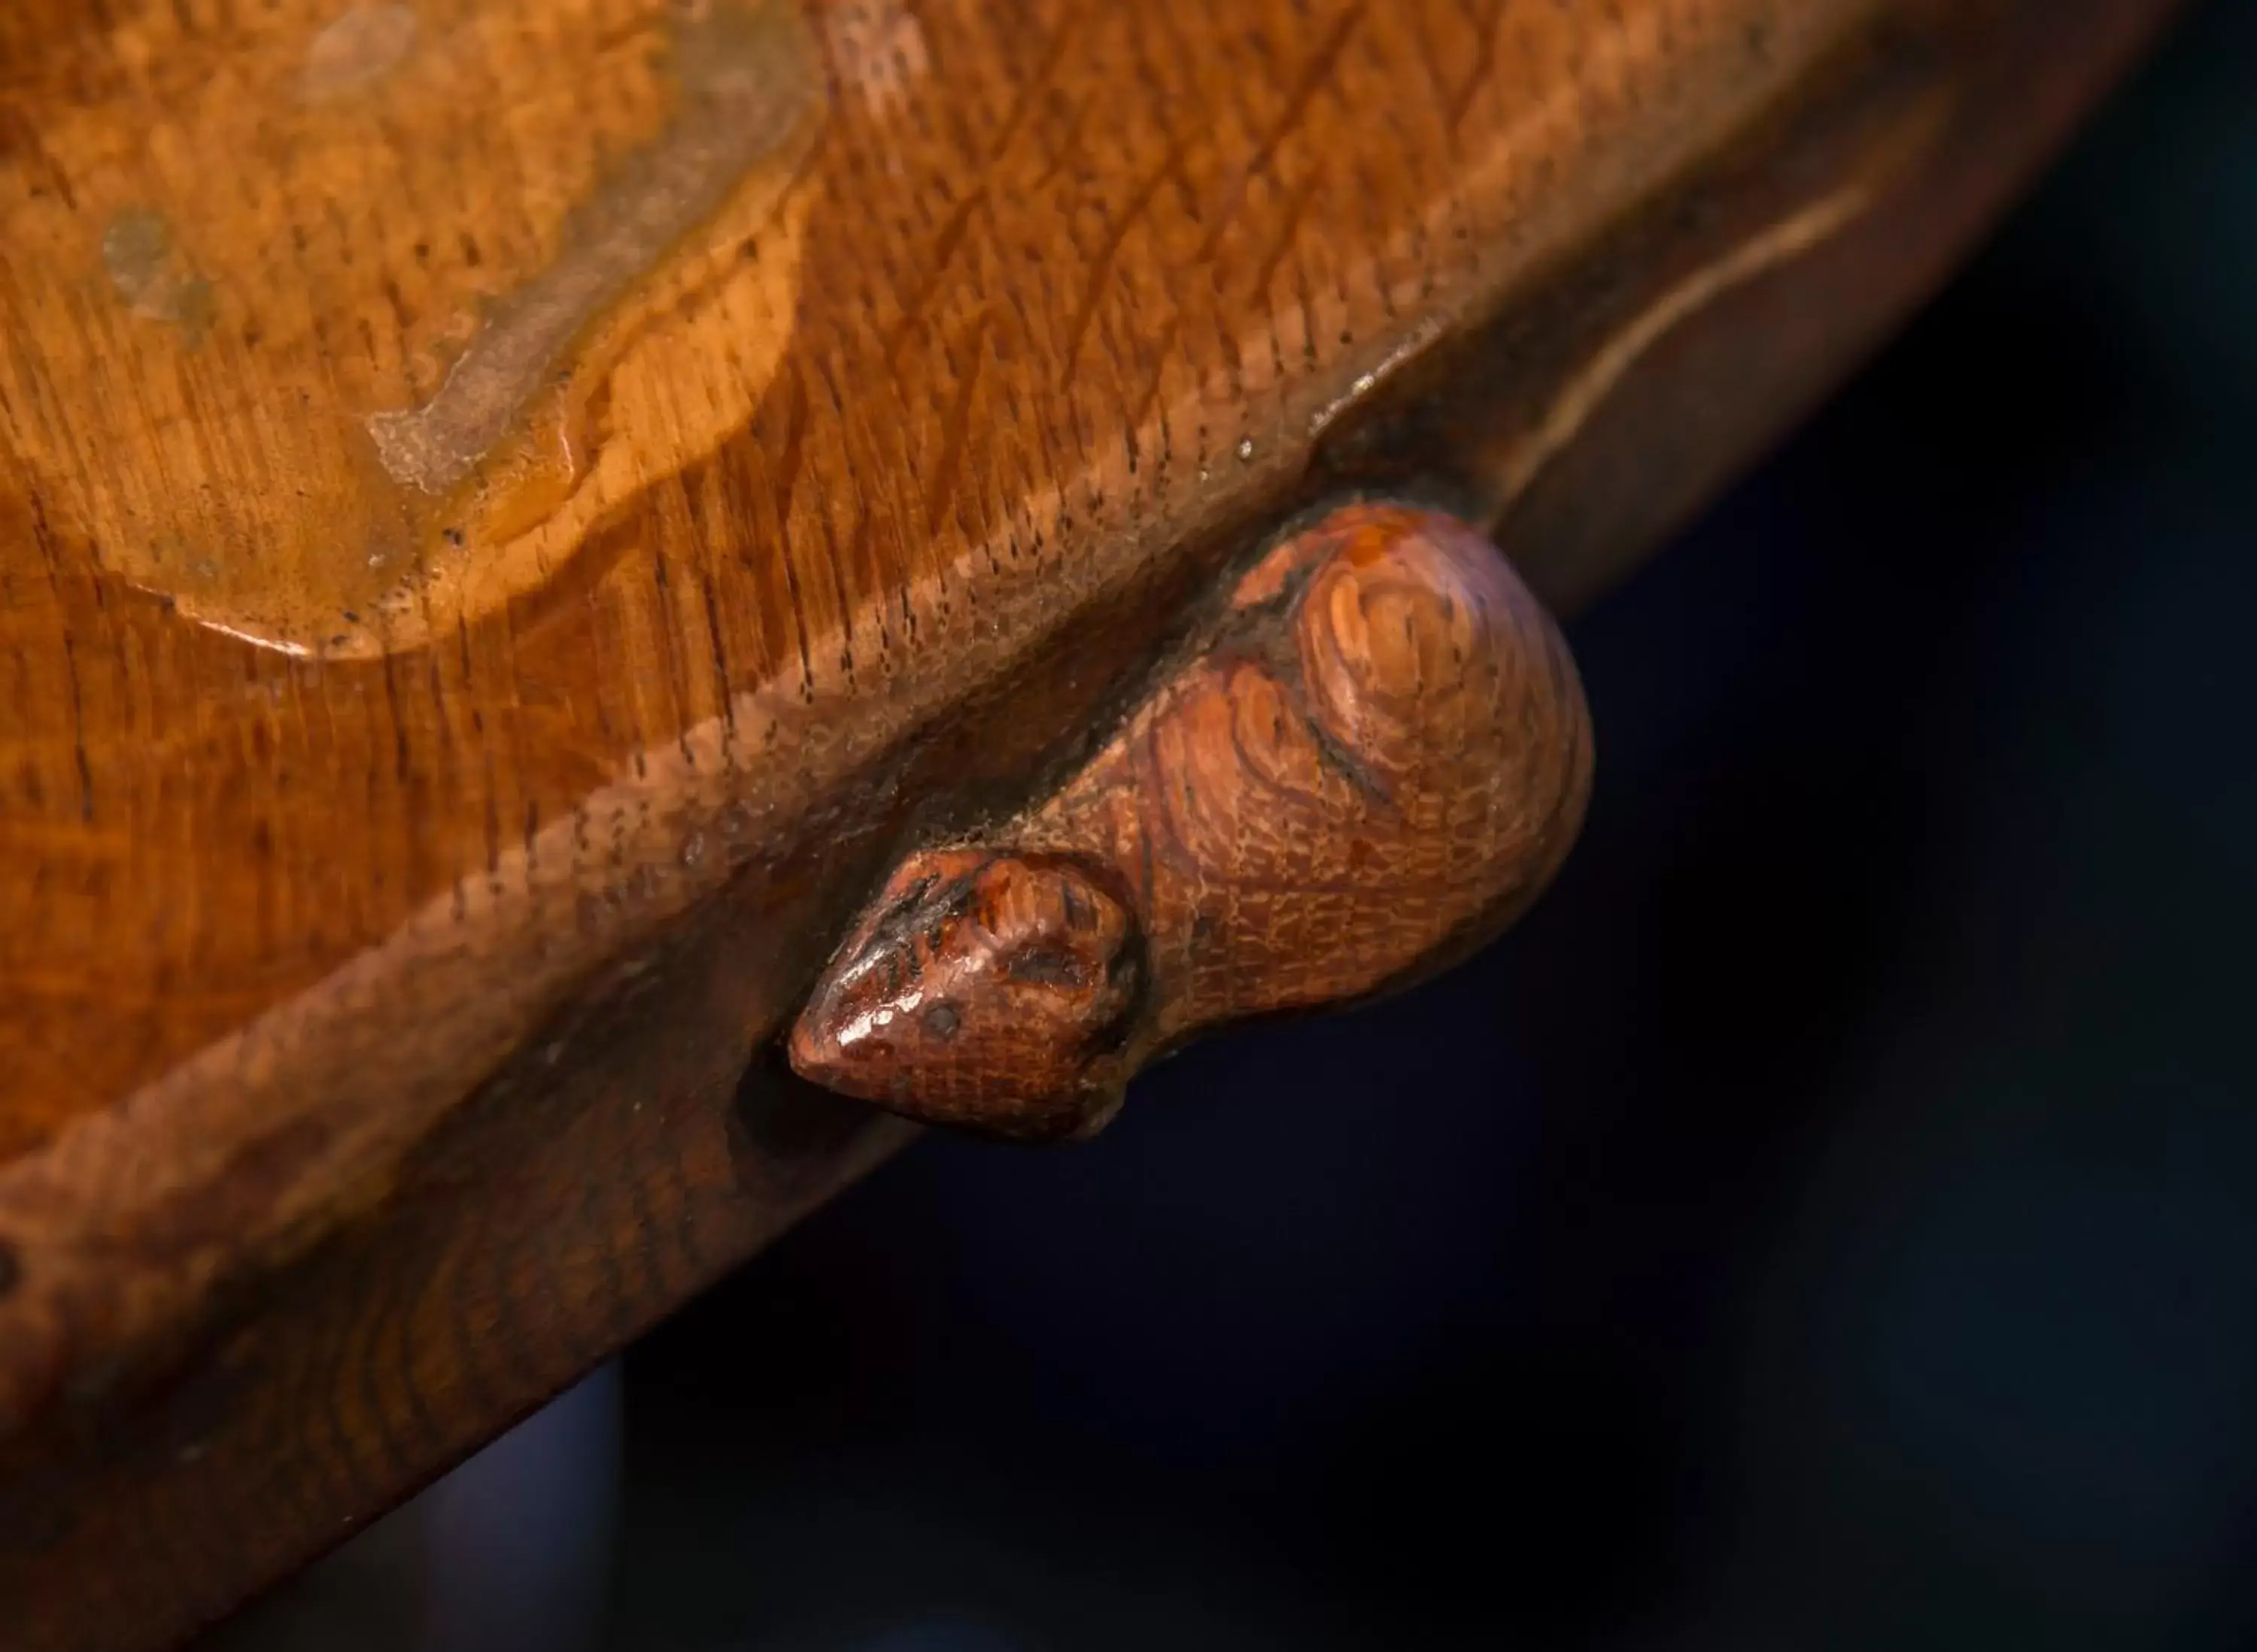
(1377, 756)
(510, 515)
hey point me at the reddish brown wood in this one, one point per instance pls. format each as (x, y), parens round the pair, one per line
(827, 413)
(1378, 755)
(984, 989)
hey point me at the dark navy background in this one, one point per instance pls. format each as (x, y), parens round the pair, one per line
(1831, 1221)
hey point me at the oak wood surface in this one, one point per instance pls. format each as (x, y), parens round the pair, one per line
(510, 512)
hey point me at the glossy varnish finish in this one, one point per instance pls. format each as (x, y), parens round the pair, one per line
(512, 514)
(281, 907)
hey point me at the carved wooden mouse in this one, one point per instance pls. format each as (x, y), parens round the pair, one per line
(1382, 758)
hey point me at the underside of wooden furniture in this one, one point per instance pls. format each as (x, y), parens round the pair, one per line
(512, 513)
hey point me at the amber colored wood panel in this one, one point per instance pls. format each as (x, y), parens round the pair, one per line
(512, 513)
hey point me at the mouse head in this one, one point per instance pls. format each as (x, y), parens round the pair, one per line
(982, 989)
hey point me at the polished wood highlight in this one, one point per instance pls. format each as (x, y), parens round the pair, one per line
(1376, 759)
(513, 515)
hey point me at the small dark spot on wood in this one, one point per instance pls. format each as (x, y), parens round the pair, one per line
(454, 535)
(1045, 966)
(12, 1268)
